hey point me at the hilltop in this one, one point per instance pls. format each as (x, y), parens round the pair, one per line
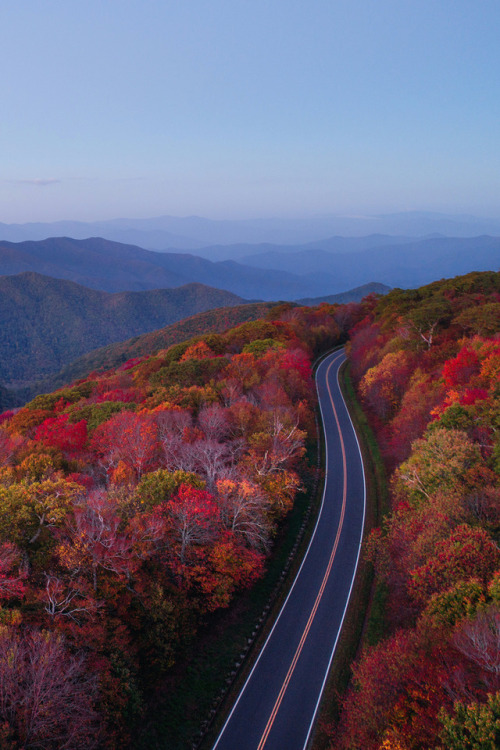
(352, 295)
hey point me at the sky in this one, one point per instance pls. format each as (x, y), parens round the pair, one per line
(248, 108)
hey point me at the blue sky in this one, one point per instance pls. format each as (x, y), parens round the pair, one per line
(248, 108)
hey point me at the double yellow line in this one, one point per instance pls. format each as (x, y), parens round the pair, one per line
(310, 621)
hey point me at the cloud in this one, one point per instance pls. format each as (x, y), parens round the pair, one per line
(37, 181)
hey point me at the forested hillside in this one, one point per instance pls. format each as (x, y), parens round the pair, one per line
(427, 365)
(47, 322)
(134, 504)
(217, 320)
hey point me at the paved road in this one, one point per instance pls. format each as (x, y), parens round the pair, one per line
(277, 706)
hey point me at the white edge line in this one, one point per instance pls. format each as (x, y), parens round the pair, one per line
(354, 573)
(291, 589)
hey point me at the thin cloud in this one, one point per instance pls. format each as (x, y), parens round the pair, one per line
(44, 181)
(37, 181)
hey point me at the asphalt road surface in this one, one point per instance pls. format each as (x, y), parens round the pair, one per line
(277, 707)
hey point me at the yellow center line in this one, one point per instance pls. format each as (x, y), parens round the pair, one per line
(307, 628)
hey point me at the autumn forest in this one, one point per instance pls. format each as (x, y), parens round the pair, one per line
(427, 365)
(133, 504)
(139, 501)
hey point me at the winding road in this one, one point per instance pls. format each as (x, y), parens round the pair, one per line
(277, 706)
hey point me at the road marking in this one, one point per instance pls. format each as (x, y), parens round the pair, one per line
(339, 630)
(310, 621)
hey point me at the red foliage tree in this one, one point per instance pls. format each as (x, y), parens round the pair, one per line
(393, 692)
(124, 395)
(228, 566)
(7, 446)
(94, 540)
(5, 416)
(12, 574)
(128, 437)
(384, 384)
(459, 370)
(47, 697)
(467, 552)
(423, 394)
(57, 432)
(193, 519)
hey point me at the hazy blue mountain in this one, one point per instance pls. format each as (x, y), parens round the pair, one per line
(194, 232)
(95, 263)
(118, 230)
(408, 265)
(424, 261)
(111, 266)
(49, 322)
(422, 223)
(244, 252)
(301, 262)
(357, 244)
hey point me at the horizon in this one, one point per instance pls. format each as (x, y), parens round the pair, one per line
(357, 216)
(195, 234)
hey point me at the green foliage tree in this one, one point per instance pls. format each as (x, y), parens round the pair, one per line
(427, 317)
(260, 346)
(482, 320)
(439, 461)
(450, 607)
(158, 486)
(475, 726)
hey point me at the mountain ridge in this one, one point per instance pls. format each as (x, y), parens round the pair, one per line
(351, 295)
(409, 265)
(110, 266)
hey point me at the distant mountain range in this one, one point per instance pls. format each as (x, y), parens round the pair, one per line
(405, 265)
(241, 251)
(194, 232)
(270, 275)
(113, 267)
(46, 322)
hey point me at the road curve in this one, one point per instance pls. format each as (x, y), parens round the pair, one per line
(277, 706)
